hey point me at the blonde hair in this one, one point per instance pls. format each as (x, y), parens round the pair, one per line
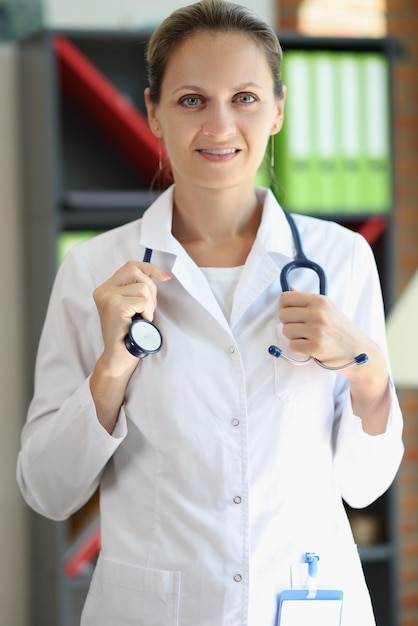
(213, 16)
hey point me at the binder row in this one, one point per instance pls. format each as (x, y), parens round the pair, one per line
(333, 154)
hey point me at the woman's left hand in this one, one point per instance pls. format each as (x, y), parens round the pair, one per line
(316, 327)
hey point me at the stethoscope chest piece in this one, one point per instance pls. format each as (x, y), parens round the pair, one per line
(143, 337)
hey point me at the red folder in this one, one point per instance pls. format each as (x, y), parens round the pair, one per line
(82, 554)
(109, 109)
(372, 228)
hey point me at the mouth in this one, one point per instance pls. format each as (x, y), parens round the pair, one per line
(219, 152)
(218, 155)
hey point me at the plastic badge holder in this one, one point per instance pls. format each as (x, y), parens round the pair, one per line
(310, 606)
(298, 608)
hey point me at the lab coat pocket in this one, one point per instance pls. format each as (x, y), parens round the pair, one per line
(131, 596)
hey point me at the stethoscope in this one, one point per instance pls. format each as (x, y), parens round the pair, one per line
(301, 261)
(145, 338)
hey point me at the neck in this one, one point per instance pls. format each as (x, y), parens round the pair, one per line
(217, 228)
(212, 216)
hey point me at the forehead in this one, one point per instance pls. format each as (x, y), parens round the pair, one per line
(212, 57)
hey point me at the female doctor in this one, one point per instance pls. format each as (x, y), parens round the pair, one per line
(220, 466)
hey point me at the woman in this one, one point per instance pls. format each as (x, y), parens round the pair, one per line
(219, 465)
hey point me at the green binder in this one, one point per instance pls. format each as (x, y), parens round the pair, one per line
(294, 156)
(375, 75)
(69, 238)
(352, 123)
(333, 152)
(325, 121)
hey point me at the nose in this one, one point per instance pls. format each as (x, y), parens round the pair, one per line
(219, 121)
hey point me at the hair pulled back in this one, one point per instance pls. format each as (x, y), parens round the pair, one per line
(218, 16)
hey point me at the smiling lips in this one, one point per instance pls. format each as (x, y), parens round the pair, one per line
(224, 154)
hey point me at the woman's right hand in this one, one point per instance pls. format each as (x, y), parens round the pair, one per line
(129, 291)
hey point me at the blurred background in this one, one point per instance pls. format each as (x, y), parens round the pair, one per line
(50, 197)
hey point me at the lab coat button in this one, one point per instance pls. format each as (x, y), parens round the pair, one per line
(231, 349)
(235, 422)
(237, 500)
(238, 578)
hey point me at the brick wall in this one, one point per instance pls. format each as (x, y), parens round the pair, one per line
(402, 23)
(408, 514)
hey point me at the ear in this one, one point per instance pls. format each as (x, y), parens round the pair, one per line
(152, 114)
(280, 102)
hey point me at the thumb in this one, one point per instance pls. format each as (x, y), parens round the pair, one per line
(153, 271)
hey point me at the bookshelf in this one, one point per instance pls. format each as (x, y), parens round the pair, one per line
(81, 172)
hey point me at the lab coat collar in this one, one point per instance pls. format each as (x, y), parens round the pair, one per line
(156, 234)
(273, 236)
(273, 247)
(156, 225)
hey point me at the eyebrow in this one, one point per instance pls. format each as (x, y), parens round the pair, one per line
(200, 89)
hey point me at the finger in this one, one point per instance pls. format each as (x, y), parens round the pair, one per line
(144, 306)
(301, 346)
(295, 330)
(295, 299)
(136, 279)
(151, 270)
(136, 272)
(146, 289)
(294, 307)
(138, 298)
(127, 297)
(293, 315)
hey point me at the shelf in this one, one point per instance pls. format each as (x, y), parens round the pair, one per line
(82, 210)
(296, 41)
(380, 552)
(102, 200)
(95, 208)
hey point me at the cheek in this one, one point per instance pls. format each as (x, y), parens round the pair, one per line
(173, 131)
(177, 147)
(260, 140)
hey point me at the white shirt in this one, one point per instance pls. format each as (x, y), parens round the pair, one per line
(226, 464)
(223, 282)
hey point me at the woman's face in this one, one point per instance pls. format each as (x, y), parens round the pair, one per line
(217, 110)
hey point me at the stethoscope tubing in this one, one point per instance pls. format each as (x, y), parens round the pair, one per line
(300, 261)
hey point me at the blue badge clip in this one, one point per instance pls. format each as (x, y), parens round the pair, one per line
(312, 559)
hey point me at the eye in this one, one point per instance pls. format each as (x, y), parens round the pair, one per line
(245, 98)
(191, 101)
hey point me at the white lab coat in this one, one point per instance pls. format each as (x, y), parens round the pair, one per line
(226, 464)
